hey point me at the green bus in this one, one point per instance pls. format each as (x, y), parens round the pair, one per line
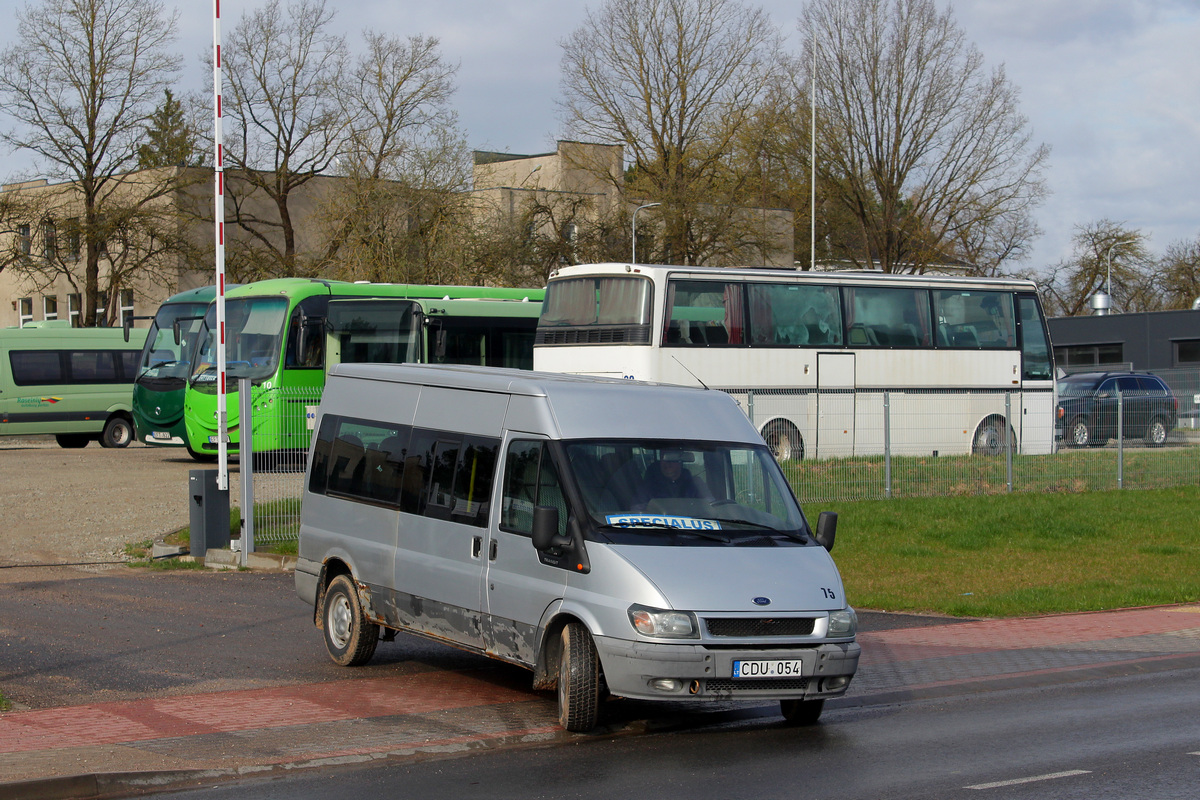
(74, 383)
(164, 367)
(283, 334)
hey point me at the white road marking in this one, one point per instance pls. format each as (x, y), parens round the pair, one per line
(1033, 779)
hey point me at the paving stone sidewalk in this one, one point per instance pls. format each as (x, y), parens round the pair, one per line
(89, 750)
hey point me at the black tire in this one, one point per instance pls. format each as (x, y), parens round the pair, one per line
(580, 684)
(1156, 433)
(349, 637)
(72, 441)
(989, 437)
(802, 712)
(1079, 433)
(118, 432)
(784, 441)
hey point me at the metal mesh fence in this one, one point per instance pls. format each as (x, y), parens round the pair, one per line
(866, 445)
(279, 461)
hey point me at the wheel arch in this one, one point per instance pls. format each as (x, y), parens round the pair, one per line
(771, 431)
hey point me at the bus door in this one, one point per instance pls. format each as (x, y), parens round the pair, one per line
(372, 330)
(1036, 427)
(835, 405)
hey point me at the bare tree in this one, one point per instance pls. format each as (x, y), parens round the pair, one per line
(400, 199)
(82, 81)
(1109, 257)
(925, 149)
(675, 82)
(284, 73)
(1179, 273)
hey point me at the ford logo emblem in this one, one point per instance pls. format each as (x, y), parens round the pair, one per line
(762, 601)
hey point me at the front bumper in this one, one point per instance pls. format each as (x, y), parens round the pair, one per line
(651, 671)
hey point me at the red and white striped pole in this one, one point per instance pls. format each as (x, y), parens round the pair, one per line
(219, 219)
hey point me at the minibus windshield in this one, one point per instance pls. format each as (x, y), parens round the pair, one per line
(704, 492)
(254, 336)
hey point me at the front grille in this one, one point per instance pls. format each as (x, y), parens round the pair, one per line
(727, 685)
(742, 627)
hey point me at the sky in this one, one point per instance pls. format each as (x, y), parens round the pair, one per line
(1112, 86)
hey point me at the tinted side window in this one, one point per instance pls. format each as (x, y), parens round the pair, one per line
(530, 480)
(36, 367)
(93, 366)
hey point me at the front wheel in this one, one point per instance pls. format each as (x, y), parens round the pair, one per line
(784, 441)
(802, 712)
(1156, 433)
(118, 432)
(579, 680)
(1079, 432)
(989, 437)
(350, 637)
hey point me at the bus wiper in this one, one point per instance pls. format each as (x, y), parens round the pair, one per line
(798, 537)
(662, 526)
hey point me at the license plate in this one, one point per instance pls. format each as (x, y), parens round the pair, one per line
(212, 440)
(783, 668)
(162, 435)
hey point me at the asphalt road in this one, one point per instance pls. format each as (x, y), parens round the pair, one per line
(1136, 737)
(68, 637)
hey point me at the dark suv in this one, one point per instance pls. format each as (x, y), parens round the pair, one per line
(1087, 408)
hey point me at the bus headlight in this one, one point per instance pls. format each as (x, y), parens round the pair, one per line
(664, 624)
(843, 624)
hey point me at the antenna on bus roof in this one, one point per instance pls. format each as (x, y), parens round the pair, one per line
(689, 372)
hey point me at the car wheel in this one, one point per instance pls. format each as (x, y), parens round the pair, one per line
(580, 684)
(72, 441)
(350, 637)
(1156, 433)
(118, 432)
(802, 712)
(1080, 433)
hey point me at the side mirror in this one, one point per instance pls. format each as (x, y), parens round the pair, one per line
(826, 529)
(127, 325)
(545, 529)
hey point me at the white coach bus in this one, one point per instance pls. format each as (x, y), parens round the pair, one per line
(814, 358)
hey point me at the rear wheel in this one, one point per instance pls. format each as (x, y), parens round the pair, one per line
(579, 680)
(118, 432)
(802, 712)
(350, 637)
(72, 441)
(1156, 433)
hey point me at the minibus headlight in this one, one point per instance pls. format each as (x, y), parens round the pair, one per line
(843, 624)
(664, 624)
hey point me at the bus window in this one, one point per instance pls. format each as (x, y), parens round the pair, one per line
(974, 319)
(795, 314)
(887, 317)
(615, 309)
(703, 313)
(1035, 347)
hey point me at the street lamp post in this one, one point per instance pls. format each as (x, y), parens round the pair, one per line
(633, 237)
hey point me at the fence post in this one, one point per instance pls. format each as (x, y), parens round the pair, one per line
(887, 445)
(1120, 439)
(750, 406)
(246, 466)
(1008, 443)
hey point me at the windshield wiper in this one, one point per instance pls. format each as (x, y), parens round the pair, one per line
(660, 526)
(797, 537)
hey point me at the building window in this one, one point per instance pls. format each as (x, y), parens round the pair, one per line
(75, 309)
(1187, 353)
(1089, 355)
(73, 239)
(126, 305)
(26, 310)
(49, 241)
(49, 307)
(23, 240)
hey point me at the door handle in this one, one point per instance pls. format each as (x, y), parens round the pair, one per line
(492, 551)
(476, 546)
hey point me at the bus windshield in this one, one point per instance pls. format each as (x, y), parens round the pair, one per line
(164, 359)
(609, 309)
(641, 491)
(253, 344)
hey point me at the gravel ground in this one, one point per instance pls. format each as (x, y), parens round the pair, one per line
(71, 506)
